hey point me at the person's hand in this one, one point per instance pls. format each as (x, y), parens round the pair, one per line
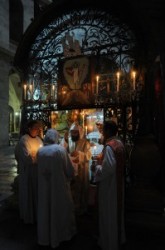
(75, 154)
(33, 156)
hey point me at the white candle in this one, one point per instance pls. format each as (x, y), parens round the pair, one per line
(134, 79)
(85, 130)
(25, 88)
(118, 81)
(97, 85)
(83, 118)
(31, 90)
(53, 91)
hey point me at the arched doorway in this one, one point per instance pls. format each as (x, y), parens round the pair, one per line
(99, 44)
(15, 101)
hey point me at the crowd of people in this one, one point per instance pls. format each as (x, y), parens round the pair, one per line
(54, 183)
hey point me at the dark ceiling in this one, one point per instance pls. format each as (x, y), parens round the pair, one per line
(144, 17)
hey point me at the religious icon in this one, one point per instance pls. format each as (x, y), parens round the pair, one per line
(75, 78)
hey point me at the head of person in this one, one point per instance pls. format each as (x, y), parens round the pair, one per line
(51, 137)
(34, 127)
(110, 129)
(76, 132)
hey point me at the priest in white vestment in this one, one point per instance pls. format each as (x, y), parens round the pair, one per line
(56, 217)
(25, 154)
(80, 154)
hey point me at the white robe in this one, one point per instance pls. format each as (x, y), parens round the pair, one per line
(107, 195)
(80, 186)
(25, 155)
(56, 218)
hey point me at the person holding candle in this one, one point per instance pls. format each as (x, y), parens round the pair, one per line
(25, 153)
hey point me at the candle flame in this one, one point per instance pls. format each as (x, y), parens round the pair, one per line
(97, 78)
(118, 74)
(134, 74)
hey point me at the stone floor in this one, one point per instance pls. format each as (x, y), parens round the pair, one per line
(8, 171)
(144, 231)
(144, 220)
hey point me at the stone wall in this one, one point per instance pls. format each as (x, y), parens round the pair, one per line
(7, 52)
(4, 90)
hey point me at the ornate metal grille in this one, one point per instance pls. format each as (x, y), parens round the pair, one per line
(86, 32)
(83, 32)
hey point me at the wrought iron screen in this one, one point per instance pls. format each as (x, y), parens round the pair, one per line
(86, 32)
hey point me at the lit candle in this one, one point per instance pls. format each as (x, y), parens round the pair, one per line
(118, 81)
(53, 91)
(31, 90)
(134, 79)
(25, 88)
(83, 118)
(85, 130)
(97, 84)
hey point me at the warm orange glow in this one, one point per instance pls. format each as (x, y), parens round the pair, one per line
(134, 79)
(86, 129)
(31, 89)
(118, 80)
(97, 78)
(97, 84)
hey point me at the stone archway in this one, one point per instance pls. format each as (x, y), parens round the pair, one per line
(15, 100)
(77, 31)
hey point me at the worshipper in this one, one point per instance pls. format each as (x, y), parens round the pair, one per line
(25, 154)
(56, 216)
(80, 154)
(110, 178)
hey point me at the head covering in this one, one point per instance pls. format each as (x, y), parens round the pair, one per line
(76, 126)
(51, 136)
